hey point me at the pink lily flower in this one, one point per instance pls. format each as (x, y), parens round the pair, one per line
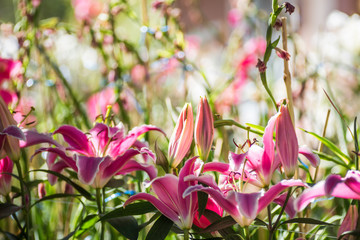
(204, 129)
(211, 205)
(242, 207)
(170, 199)
(182, 136)
(286, 142)
(9, 134)
(97, 158)
(9, 68)
(349, 223)
(347, 187)
(6, 166)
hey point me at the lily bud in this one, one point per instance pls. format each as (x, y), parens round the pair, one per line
(9, 134)
(204, 129)
(182, 136)
(41, 190)
(286, 142)
(6, 166)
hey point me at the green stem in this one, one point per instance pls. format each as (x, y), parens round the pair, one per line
(186, 234)
(23, 199)
(247, 233)
(98, 201)
(15, 217)
(274, 227)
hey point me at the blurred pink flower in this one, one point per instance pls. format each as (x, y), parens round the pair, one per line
(97, 103)
(8, 97)
(349, 223)
(6, 166)
(138, 74)
(87, 9)
(9, 68)
(35, 3)
(41, 190)
(253, 49)
(234, 17)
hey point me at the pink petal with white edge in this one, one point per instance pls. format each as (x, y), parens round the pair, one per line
(205, 179)
(248, 203)
(312, 157)
(133, 165)
(75, 138)
(275, 190)
(88, 168)
(236, 160)
(33, 138)
(163, 208)
(14, 131)
(70, 162)
(269, 151)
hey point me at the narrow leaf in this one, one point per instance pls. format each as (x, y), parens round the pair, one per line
(202, 201)
(330, 158)
(346, 159)
(306, 221)
(54, 196)
(137, 208)
(6, 209)
(352, 233)
(80, 189)
(225, 222)
(230, 122)
(275, 43)
(127, 226)
(88, 222)
(160, 229)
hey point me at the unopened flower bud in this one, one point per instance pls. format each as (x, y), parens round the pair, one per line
(9, 134)
(41, 190)
(204, 129)
(282, 54)
(182, 136)
(6, 168)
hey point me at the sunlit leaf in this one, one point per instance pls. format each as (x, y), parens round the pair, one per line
(160, 229)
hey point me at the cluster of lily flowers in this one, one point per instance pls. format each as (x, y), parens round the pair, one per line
(244, 187)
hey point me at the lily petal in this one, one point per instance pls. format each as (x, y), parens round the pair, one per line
(88, 168)
(33, 138)
(14, 131)
(75, 138)
(312, 157)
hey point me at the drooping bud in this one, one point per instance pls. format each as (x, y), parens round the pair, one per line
(182, 136)
(41, 190)
(261, 66)
(286, 142)
(289, 8)
(282, 54)
(9, 134)
(204, 129)
(6, 167)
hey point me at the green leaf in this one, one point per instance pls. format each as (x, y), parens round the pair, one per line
(138, 208)
(346, 159)
(330, 158)
(202, 201)
(260, 222)
(275, 43)
(88, 222)
(161, 159)
(306, 221)
(160, 229)
(54, 196)
(6, 209)
(214, 217)
(127, 226)
(225, 222)
(80, 189)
